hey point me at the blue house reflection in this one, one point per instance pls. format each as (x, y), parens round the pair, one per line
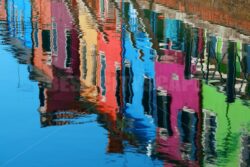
(19, 20)
(138, 77)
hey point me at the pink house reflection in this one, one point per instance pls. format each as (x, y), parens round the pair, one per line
(64, 45)
(64, 39)
(182, 109)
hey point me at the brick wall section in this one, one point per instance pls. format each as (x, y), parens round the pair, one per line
(235, 15)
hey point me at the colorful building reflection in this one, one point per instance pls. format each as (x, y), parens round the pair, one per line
(65, 39)
(178, 115)
(173, 91)
(3, 14)
(19, 21)
(109, 63)
(101, 67)
(88, 54)
(42, 20)
(138, 82)
(59, 59)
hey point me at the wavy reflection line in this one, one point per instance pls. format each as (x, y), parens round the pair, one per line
(127, 25)
(171, 116)
(227, 138)
(98, 25)
(146, 25)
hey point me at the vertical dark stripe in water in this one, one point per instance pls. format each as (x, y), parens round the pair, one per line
(163, 111)
(103, 74)
(244, 58)
(209, 140)
(248, 69)
(147, 100)
(128, 84)
(41, 95)
(227, 145)
(248, 58)
(187, 70)
(75, 60)
(46, 40)
(187, 125)
(209, 45)
(201, 43)
(35, 34)
(231, 73)
(160, 28)
(118, 92)
(84, 60)
(195, 42)
(94, 61)
(68, 49)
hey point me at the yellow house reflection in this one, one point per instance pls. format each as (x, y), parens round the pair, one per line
(88, 53)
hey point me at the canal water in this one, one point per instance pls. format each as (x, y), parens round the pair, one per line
(123, 83)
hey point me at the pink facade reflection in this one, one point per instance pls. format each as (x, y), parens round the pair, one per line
(64, 45)
(183, 95)
(65, 39)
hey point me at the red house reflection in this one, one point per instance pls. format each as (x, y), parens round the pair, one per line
(109, 69)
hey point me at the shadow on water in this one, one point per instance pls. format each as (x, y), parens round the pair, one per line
(163, 82)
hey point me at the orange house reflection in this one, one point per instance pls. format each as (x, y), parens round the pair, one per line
(59, 99)
(41, 18)
(3, 14)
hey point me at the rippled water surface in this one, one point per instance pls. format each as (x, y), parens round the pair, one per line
(124, 83)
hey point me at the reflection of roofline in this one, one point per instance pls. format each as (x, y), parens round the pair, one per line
(143, 22)
(93, 16)
(73, 13)
(146, 24)
(38, 75)
(24, 56)
(22, 53)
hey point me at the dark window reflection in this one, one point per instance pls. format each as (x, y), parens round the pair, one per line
(128, 84)
(103, 74)
(41, 95)
(187, 125)
(163, 111)
(55, 47)
(209, 145)
(188, 50)
(148, 95)
(118, 93)
(35, 36)
(46, 40)
(68, 49)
